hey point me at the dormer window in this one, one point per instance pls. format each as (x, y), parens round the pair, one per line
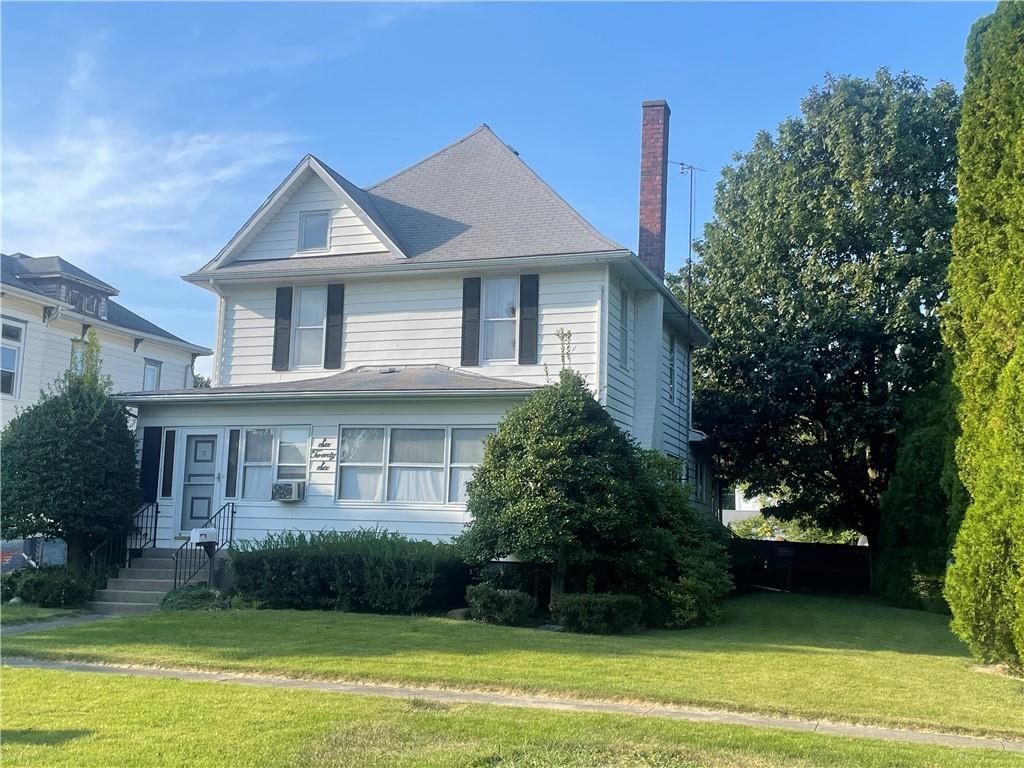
(313, 230)
(90, 304)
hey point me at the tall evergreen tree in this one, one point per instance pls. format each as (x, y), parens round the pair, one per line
(984, 326)
(820, 277)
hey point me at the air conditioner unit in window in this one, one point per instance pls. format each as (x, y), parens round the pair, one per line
(288, 490)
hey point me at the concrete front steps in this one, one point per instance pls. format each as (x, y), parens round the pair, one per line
(140, 587)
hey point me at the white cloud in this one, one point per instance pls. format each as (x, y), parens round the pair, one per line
(104, 194)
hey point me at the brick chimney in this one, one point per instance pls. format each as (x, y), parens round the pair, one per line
(653, 181)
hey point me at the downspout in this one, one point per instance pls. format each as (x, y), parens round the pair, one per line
(602, 344)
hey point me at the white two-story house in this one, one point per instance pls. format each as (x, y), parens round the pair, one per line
(368, 339)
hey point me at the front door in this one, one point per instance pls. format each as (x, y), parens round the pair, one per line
(199, 480)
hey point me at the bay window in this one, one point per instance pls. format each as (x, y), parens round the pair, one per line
(425, 465)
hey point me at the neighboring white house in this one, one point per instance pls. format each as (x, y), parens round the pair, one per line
(369, 339)
(47, 305)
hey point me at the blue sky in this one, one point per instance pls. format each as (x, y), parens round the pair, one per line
(138, 138)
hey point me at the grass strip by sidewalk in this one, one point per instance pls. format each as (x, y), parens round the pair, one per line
(65, 719)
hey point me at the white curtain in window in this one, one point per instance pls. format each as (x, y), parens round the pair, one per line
(259, 445)
(457, 487)
(468, 445)
(417, 446)
(362, 446)
(256, 483)
(423, 484)
(361, 483)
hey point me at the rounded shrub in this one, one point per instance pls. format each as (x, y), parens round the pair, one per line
(52, 587)
(492, 605)
(195, 597)
(597, 614)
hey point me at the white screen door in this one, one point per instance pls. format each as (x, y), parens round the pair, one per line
(199, 481)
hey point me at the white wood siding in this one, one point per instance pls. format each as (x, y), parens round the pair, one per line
(47, 355)
(415, 322)
(619, 399)
(320, 510)
(675, 412)
(279, 237)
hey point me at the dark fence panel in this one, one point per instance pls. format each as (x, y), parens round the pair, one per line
(800, 567)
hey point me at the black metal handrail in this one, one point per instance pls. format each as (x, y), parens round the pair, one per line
(116, 551)
(191, 558)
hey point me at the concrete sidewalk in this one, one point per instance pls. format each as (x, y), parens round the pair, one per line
(540, 702)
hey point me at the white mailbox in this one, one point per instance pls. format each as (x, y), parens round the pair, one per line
(203, 536)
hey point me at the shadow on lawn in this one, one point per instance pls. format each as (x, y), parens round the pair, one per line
(756, 623)
(41, 738)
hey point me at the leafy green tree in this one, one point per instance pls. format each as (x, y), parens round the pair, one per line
(820, 277)
(984, 326)
(200, 382)
(68, 468)
(915, 521)
(768, 527)
(557, 484)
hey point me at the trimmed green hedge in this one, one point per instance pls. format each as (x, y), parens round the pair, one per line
(492, 605)
(194, 597)
(50, 587)
(370, 571)
(597, 614)
(984, 326)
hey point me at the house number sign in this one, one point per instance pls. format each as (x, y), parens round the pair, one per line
(323, 454)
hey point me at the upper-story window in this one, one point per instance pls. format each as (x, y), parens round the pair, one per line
(78, 355)
(10, 358)
(500, 318)
(308, 324)
(313, 230)
(151, 375)
(624, 328)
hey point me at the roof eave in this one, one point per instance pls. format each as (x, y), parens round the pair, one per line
(205, 279)
(142, 398)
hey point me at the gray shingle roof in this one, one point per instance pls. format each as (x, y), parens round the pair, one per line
(362, 380)
(14, 268)
(475, 199)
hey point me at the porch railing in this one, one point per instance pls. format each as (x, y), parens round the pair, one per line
(116, 552)
(191, 558)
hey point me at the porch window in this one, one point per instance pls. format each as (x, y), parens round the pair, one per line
(467, 452)
(272, 453)
(500, 321)
(424, 465)
(416, 465)
(309, 322)
(10, 358)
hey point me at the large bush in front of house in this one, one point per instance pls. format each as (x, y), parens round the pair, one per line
(50, 587)
(69, 463)
(984, 326)
(371, 570)
(561, 485)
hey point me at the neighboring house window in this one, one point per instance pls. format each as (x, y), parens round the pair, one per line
(10, 358)
(90, 305)
(408, 464)
(672, 370)
(313, 230)
(624, 328)
(729, 500)
(75, 299)
(77, 355)
(308, 328)
(151, 376)
(700, 486)
(500, 318)
(262, 464)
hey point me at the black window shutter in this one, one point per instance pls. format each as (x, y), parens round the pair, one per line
(167, 486)
(149, 471)
(282, 329)
(231, 481)
(529, 289)
(335, 321)
(471, 321)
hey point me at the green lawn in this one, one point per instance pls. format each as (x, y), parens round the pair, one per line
(78, 720)
(841, 659)
(25, 614)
